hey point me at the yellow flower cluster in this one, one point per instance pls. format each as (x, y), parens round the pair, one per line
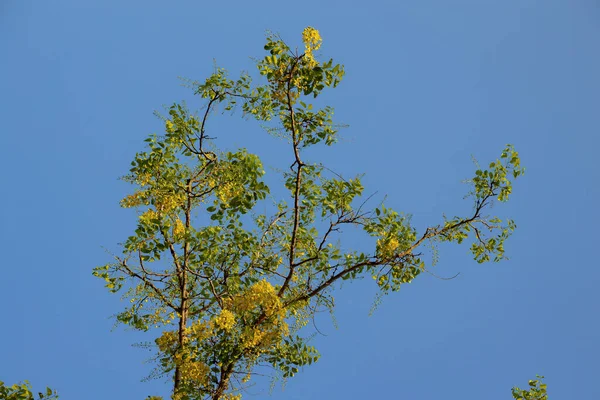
(195, 371)
(254, 337)
(169, 202)
(387, 248)
(178, 229)
(259, 307)
(312, 41)
(228, 191)
(297, 81)
(262, 297)
(263, 339)
(143, 179)
(261, 294)
(148, 215)
(134, 200)
(199, 331)
(164, 202)
(225, 320)
(169, 126)
(192, 371)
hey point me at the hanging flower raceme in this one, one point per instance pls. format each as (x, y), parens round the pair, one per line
(312, 41)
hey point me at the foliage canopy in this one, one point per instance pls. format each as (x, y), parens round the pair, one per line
(229, 290)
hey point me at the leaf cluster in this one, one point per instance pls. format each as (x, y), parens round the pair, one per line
(537, 390)
(23, 391)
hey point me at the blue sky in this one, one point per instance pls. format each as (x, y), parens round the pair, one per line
(429, 84)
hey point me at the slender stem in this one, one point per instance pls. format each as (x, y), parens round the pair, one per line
(296, 139)
(183, 314)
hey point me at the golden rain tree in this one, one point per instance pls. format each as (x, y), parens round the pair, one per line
(225, 289)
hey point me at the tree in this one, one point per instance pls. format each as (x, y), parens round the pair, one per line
(231, 290)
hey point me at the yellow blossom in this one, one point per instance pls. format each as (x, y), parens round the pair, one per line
(194, 371)
(252, 337)
(144, 179)
(225, 320)
(134, 200)
(148, 216)
(261, 298)
(387, 247)
(393, 244)
(169, 201)
(261, 294)
(199, 330)
(178, 229)
(228, 191)
(297, 81)
(312, 41)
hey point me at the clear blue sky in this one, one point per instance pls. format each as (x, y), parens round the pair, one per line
(429, 83)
